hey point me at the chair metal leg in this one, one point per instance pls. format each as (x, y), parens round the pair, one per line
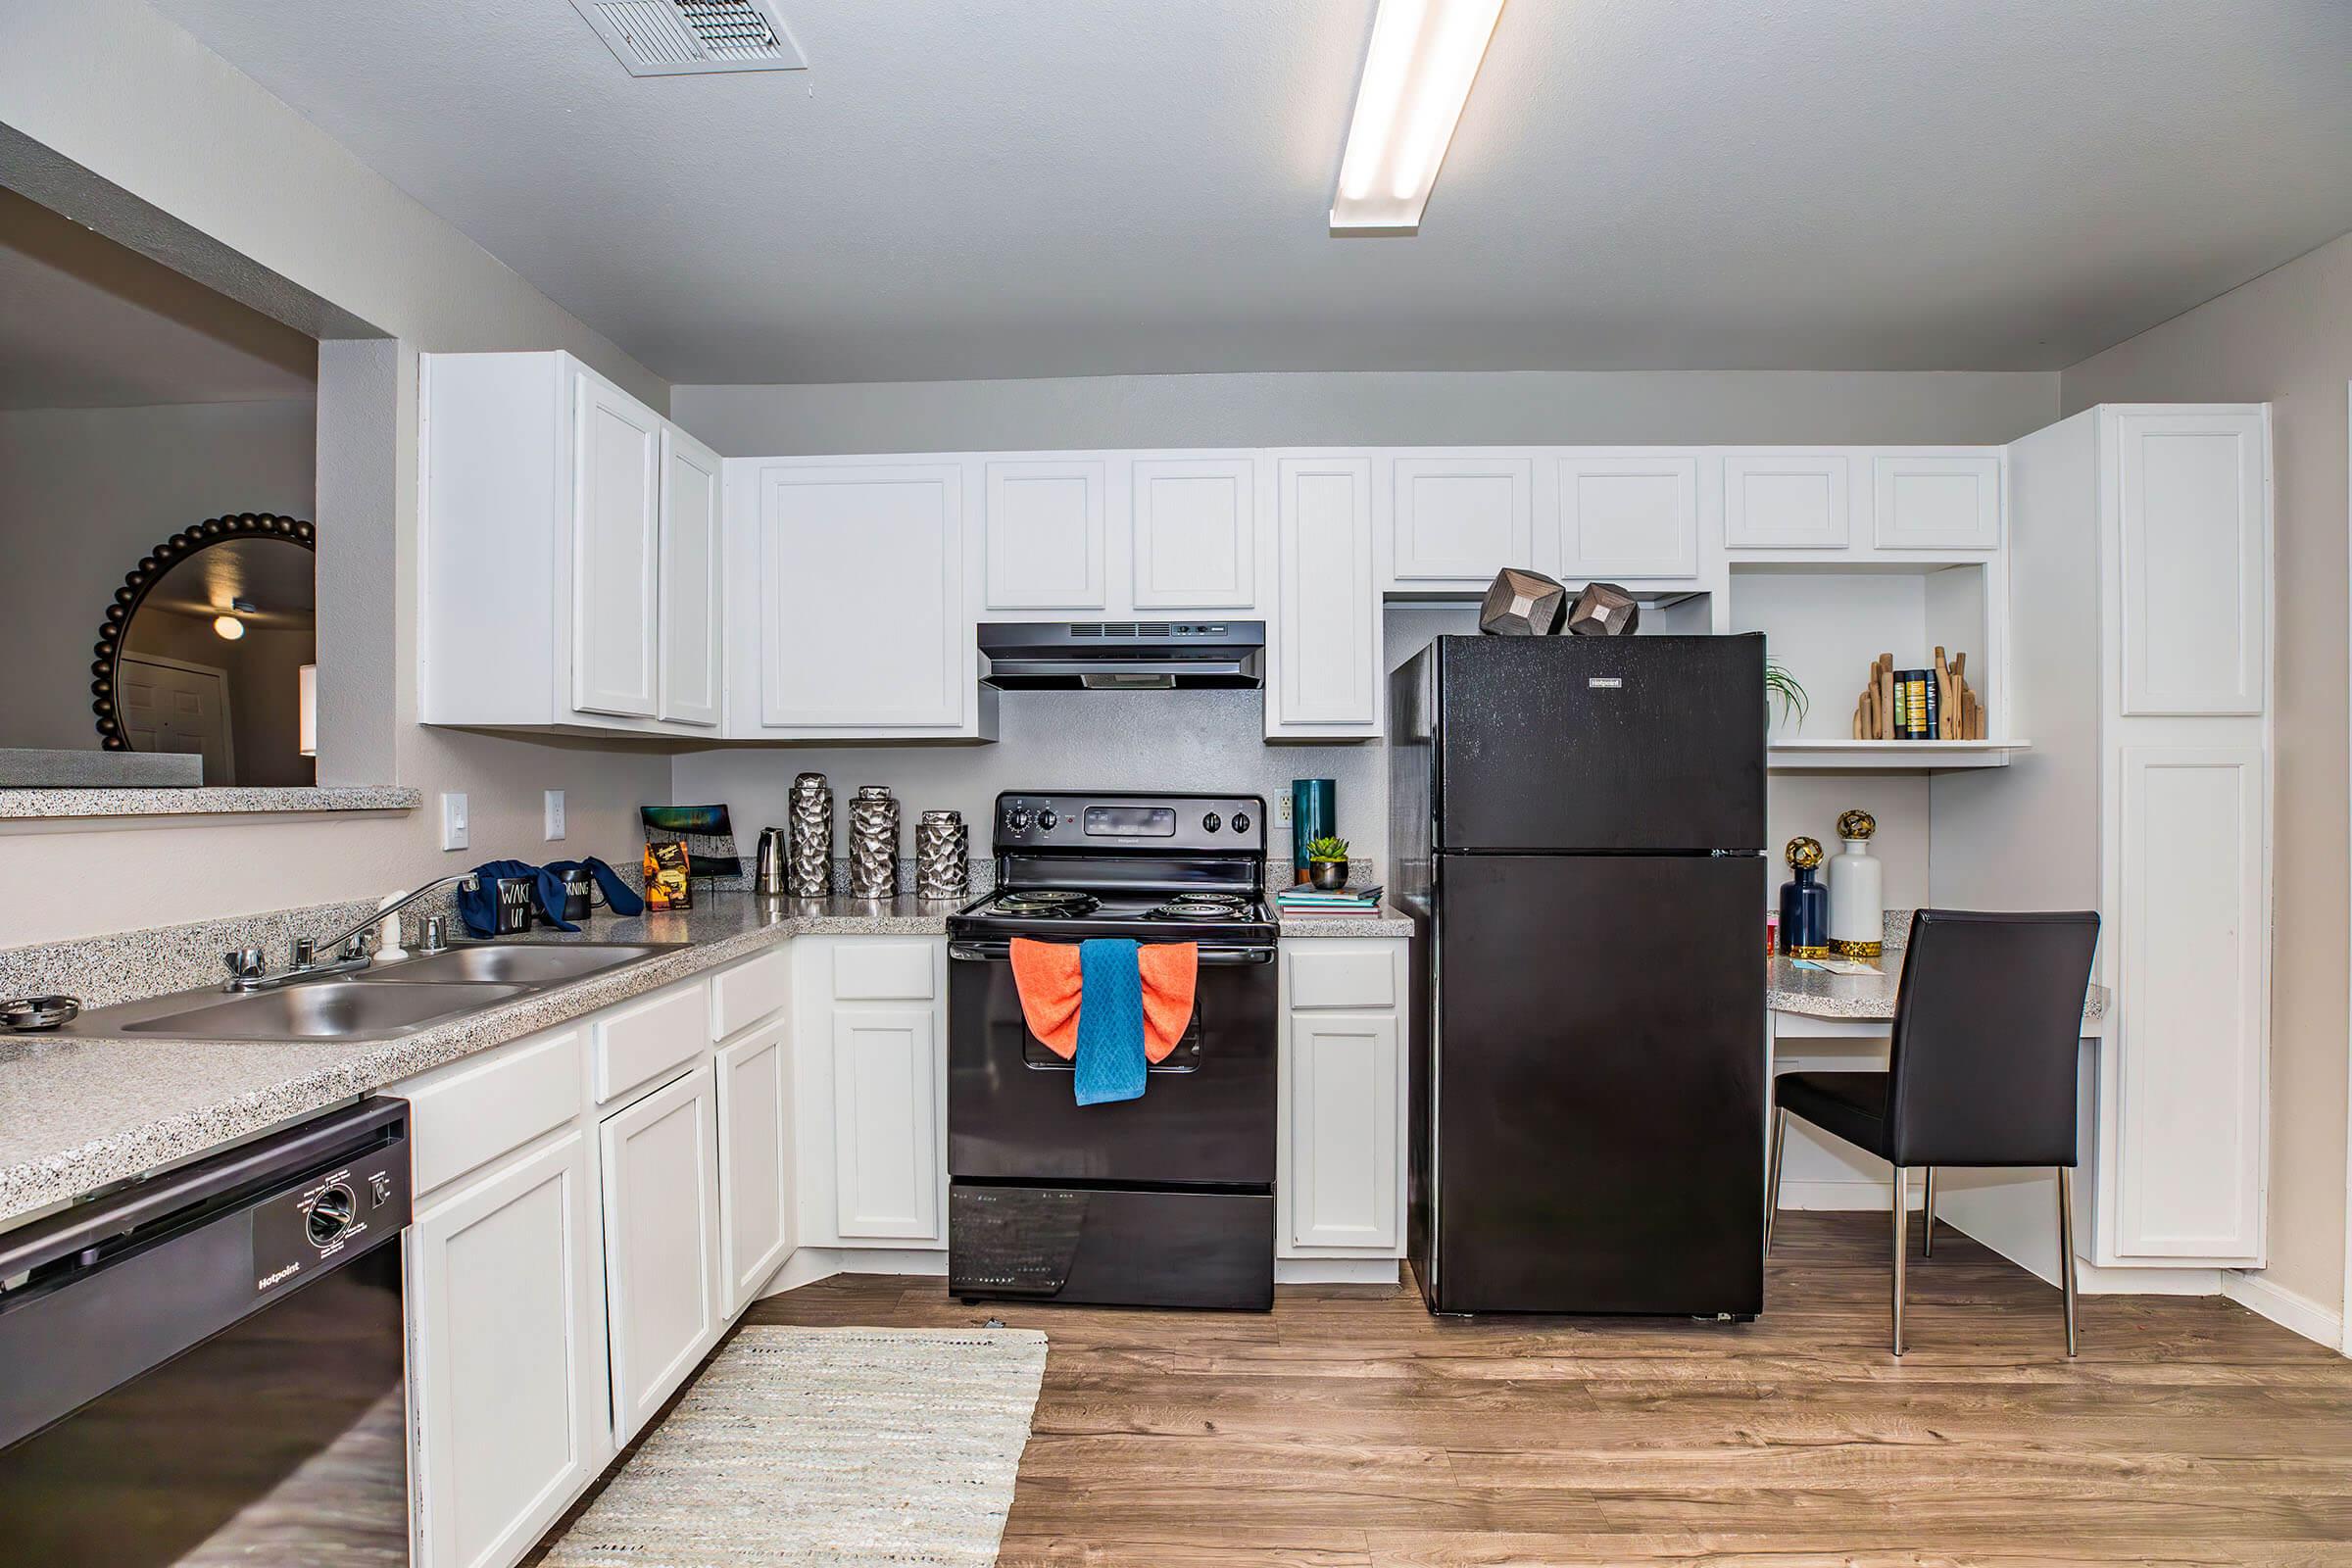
(1902, 1253)
(1927, 1240)
(1772, 1175)
(2066, 1249)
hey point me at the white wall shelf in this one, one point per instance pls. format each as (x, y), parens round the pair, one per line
(1887, 756)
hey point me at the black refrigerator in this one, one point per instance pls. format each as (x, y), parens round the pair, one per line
(1577, 832)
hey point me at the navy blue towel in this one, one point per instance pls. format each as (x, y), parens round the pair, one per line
(619, 897)
(1110, 1057)
(478, 906)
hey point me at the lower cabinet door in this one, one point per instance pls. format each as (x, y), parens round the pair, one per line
(754, 1162)
(506, 1357)
(661, 1161)
(1342, 1167)
(886, 1130)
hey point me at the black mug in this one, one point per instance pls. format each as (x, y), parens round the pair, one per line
(518, 903)
(581, 895)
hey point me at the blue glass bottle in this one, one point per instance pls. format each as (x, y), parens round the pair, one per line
(1805, 903)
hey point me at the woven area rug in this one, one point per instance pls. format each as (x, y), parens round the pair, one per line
(836, 1446)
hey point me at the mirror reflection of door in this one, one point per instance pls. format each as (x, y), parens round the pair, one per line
(169, 706)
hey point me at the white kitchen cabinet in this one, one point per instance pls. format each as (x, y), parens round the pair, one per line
(885, 1124)
(863, 630)
(1195, 531)
(1324, 676)
(754, 1160)
(507, 1356)
(661, 1241)
(1043, 534)
(1937, 501)
(556, 587)
(2193, 538)
(1340, 1165)
(692, 615)
(1625, 516)
(1787, 500)
(1459, 519)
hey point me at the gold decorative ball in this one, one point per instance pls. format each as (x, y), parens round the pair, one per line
(1857, 825)
(1804, 854)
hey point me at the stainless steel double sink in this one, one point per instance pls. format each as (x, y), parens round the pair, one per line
(396, 999)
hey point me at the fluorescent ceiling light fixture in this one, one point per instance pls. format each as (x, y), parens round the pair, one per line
(1417, 75)
(228, 628)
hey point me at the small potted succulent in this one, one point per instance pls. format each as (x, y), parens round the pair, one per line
(1327, 864)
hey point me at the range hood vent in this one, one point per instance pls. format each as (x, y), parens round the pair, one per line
(1098, 656)
(687, 37)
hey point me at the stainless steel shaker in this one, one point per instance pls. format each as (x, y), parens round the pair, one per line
(769, 879)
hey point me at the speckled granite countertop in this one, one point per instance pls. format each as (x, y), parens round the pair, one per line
(77, 1112)
(1387, 922)
(1819, 995)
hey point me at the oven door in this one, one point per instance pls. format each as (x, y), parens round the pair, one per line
(1206, 1116)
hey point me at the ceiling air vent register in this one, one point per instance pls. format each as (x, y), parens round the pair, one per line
(687, 37)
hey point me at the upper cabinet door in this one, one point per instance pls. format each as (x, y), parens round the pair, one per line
(1326, 636)
(1043, 534)
(1195, 533)
(1627, 516)
(862, 617)
(1461, 519)
(2194, 551)
(616, 536)
(1787, 501)
(1937, 503)
(691, 614)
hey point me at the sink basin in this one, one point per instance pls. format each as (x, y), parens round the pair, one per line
(325, 1009)
(526, 963)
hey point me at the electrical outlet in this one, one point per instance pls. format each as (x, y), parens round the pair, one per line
(555, 814)
(453, 820)
(1281, 811)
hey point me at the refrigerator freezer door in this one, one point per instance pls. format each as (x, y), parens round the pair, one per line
(1599, 1064)
(1600, 743)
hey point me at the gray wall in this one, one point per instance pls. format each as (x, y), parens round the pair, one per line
(83, 494)
(2287, 339)
(1369, 408)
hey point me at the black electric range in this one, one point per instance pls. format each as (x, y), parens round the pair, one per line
(1167, 1201)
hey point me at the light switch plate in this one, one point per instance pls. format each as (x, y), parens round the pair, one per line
(453, 820)
(555, 814)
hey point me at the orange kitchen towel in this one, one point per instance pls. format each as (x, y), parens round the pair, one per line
(1046, 975)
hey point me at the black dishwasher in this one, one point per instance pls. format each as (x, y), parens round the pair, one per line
(206, 1366)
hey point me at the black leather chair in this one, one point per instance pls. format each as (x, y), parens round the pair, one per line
(1982, 1070)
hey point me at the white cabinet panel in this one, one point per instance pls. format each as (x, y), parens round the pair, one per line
(839, 547)
(1326, 634)
(1627, 516)
(506, 1357)
(616, 510)
(1343, 1168)
(662, 1229)
(1043, 534)
(2190, 1075)
(754, 1162)
(1195, 533)
(1787, 501)
(1933, 502)
(885, 1123)
(465, 1115)
(692, 645)
(1461, 519)
(2195, 544)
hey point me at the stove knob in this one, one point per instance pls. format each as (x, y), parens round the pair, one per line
(1020, 821)
(1241, 821)
(1046, 819)
(1211, 822)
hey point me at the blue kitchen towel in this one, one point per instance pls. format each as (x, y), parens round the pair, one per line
(478, 907)
(1109, 1057)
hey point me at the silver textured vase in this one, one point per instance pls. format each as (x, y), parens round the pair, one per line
(810, 861)
(873, 843)
(942, 855)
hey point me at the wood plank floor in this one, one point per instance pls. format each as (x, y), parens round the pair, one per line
(1350, 1428)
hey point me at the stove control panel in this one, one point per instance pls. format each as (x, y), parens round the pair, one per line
(1160, 824)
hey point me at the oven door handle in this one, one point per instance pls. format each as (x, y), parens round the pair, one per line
(1211, 957)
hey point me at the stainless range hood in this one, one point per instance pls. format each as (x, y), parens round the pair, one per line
(1068, 656)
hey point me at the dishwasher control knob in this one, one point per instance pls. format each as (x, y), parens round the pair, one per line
(1211, 822)
(1241, 821)
(331, 1214)
(1046, 819)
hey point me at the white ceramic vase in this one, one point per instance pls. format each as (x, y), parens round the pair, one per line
(1857, 901)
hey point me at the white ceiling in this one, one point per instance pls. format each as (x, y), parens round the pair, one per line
(969, 188)
(86, 323)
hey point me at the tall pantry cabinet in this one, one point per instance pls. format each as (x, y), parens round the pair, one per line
(2141, 652)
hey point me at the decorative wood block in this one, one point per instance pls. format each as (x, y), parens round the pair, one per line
(1520, 604)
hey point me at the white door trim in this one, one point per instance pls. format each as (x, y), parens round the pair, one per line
(2346, 1312)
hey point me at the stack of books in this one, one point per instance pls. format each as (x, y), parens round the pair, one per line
(1305, 900)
